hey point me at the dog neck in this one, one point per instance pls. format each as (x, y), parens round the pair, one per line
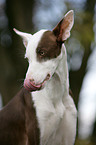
(60, 79)
(62, 72)
(49, 101)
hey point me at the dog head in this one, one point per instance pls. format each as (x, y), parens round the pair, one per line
(44, 52)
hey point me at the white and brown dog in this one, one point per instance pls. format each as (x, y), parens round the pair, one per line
(43, 112)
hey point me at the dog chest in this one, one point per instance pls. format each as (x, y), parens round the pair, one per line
(49, 116)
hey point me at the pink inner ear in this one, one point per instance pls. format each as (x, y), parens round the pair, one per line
(58, 31)
(62, 30)
(60, 35)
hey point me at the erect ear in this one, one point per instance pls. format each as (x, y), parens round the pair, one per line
(26, 37)
(62, 30)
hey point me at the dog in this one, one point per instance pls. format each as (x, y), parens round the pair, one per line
(43, 112)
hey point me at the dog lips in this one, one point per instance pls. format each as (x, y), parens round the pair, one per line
(30, 86)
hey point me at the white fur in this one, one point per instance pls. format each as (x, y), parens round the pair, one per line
(55, 109)
(38, 70)
(26, 37)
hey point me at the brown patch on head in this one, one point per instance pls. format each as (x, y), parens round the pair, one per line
(48, 47)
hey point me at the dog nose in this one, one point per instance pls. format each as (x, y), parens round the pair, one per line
(30, 85)
(48, 76)
(31, 80)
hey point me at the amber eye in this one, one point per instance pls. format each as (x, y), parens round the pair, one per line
(41, 53)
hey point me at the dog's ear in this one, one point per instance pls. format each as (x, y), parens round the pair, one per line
(26, 37)
(62, 30)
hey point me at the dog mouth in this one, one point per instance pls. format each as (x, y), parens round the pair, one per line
(31, 86)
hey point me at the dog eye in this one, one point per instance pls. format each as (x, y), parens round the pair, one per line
(42, 53)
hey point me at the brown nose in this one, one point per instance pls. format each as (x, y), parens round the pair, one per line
(32, 80)
(48, 76)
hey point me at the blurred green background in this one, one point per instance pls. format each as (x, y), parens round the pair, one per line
(33, 15)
